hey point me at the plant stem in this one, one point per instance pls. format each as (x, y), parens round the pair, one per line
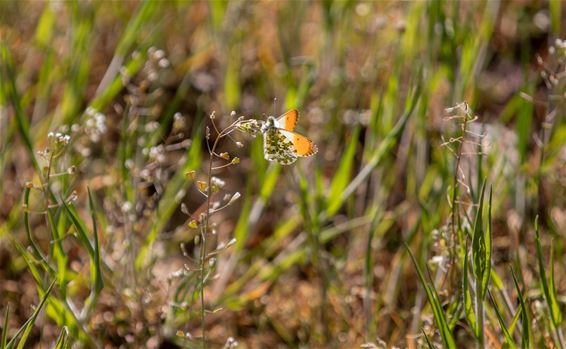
(205, 227)
(204, 231)
(206, 224)
(455, 180)
(480, 315)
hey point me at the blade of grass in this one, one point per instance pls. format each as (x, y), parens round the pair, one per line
(241, 231)
(343, 175)
(144, 13)
(266, 250)
(428, 342)
(555, 9)
(114, 87)
(27, 226)
(515, 321)
(58, 252)
(232, 79)
(481, 254)
(78, 63)
(390, 140)
(549, 286)
(9, 86)
(308, 210)
(269, 248)
(31, 321)
(508, 338)
(82, 231)
(62, 342)
(525, 321)
(468, 304)
(58, 310)
(98, 281)
(439, 317)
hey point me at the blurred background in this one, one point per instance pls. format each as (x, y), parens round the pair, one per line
(406, 101)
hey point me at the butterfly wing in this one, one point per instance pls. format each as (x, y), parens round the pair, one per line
(301, 145)
(288, 121)
(277, 147)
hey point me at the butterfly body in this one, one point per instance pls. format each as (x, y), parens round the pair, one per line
(269, 124)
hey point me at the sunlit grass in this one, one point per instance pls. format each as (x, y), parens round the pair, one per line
(432, 215)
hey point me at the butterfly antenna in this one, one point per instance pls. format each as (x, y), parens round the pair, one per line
(274, 105)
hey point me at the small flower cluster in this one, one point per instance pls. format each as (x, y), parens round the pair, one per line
(156, 153)
(56, 144)
(150, 71)
(95, 124)
(558, 49)
(553, 72)
(54, 167)
(59, 138)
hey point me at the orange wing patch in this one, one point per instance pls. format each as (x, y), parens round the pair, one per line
(289, 120)
(302, 146)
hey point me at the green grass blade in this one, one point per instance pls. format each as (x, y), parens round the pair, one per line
(269, 181)
(343, 175)
(268, 185)
(98, 281)
(45, 27)
(479, 246)
(217, 11)
(78, 63)
(8, 81)
(144, 13)
(146, 10)
(82, 231)
(384, 147)
(508, 338)
(439, 317)
(487, 248)
(29, 324)
(117, 85)
(525, 321)
(428, 342)
(232, 80)
(62, 342)
(468, 303)
(57, 309)
(242, 226)
(27, 226)
(481, 255)
(515, 320)
(547, 284)
(555, 9)
(58, 252)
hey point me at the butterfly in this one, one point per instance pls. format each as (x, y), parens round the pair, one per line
(280, 143)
